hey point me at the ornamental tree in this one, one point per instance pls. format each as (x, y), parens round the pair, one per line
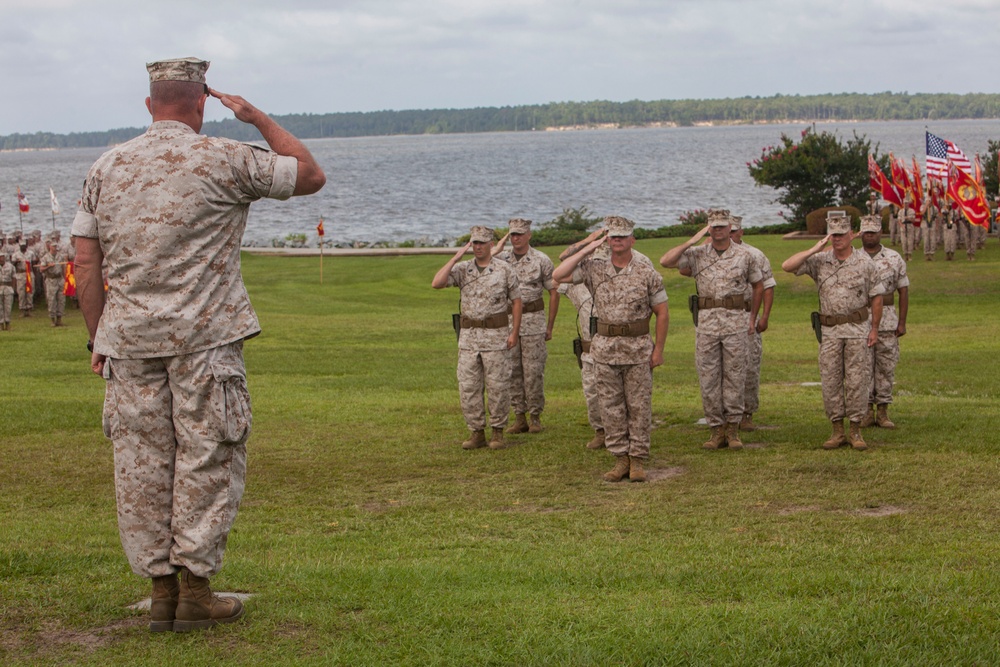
(820, 170)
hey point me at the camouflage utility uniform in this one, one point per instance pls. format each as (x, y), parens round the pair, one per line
(6, 292)
(892, 275)
(583, 301)
(483, 360)
(22, 259)
(528, 356)
(169, 209)
(755, 343)
(845, 361)
(624, 378)
(721, 338)
(54, 272)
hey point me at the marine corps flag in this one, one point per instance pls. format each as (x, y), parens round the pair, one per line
(69, 286)
(918, 195)
(969, 196)
(880, 184)
(28, 282)
(899, 175)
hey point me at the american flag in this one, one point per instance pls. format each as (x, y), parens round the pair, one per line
(938, 153)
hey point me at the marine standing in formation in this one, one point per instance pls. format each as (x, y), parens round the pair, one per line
(850, 311)
(488, 287)
(24, 261)
(908, 231)
(528, 356)
(949, 231)
(755, 346)
(53, 267)
(724, 272)
(166, 212)
(627, 292)
(7, 285)
(892, 326)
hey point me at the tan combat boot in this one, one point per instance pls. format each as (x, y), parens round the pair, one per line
(869, 419)
(199, 608)
(53, 321)
(635, 470)
(620, 471)
(520, 424)
(746, 424)
(597, 442)
(59, 322)
(718, 438)
(536, 424)
(837, 438)
(476, 440)
(496, 440)
(857, 442)
(163, 603)
(882, 416)
(733, 435)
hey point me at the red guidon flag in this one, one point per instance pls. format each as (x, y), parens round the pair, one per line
(22, 201)
(969, 196)
(880, 184)
(918, 194)
(69, 287)
(319, 227)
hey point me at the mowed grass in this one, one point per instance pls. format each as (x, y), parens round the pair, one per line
(368, 537)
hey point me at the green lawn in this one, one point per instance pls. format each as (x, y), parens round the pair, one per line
(369, 537)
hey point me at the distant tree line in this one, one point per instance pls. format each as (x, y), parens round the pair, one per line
(830, 107)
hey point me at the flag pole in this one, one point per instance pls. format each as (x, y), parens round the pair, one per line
(320, 232)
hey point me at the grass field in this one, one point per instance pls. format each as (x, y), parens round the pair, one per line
(368, 537)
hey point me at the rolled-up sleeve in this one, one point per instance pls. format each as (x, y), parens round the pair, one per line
(286, 171)
(84, 225)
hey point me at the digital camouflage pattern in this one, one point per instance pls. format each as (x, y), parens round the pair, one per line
(717, 276)
(721, 334)
(483, 358)
(892, 270)
(755, 344)
(186, 292)
(20, 260)
(845, 360)
(624, 378)
(908, 233)
(180, 456)
(55, 281)
(582, 301)
(528, 357)
(484, 293)
(619, 297)
(6, 291)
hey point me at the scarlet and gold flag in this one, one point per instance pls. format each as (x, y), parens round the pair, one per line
(319, 227)
(969, 195)
(899, 175)
(27, 278)
(69, 286)
(880, 184)
(918, 195)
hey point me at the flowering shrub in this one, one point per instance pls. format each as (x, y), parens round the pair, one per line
(699, 217)
(820, 170)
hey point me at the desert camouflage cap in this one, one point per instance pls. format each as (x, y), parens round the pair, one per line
(736, 221)
(178, 69)
(837, 222)
(481, 234)
(618, 226)
(519, 226)
(719, 217)
(871, 223)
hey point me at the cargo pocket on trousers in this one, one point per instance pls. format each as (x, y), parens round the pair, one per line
(231, 405)
(109, 415)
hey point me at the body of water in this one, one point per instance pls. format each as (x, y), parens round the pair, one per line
(432, 188)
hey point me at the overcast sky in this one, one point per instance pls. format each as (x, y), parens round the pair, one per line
(79, 65)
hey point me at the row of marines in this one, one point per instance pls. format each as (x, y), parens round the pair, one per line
(502, 329)
(47, 261)
(941, 225)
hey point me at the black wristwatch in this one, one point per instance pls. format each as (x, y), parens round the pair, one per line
(90, 346)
